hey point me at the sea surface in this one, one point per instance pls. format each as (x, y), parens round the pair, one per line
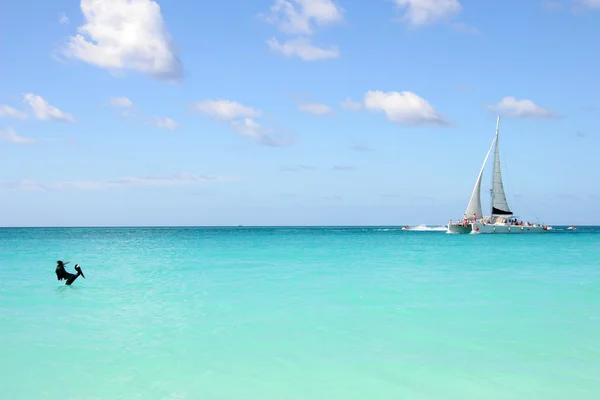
(369, 313)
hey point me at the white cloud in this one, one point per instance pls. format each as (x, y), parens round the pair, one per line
(297, 16)
(404, 108)
(125, 34)
(241, 119)
(350, 104)
(510, 106)
(247, 127)
(125, 182)
(302, 48)
(250, 128)
(7, 111)
(127, 110)
(121, 102)
(63, 19)
(164, 122)
(424, 12)
(10, 135)
(44, 111)
(316, 108)
(226, 109)
(301, 17)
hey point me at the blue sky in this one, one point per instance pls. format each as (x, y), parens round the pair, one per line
(295, 112)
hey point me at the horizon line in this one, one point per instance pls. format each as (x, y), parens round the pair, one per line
(247, 226)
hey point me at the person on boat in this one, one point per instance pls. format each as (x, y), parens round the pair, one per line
(61, 273)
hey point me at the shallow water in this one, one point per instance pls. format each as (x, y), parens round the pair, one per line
(299, 313)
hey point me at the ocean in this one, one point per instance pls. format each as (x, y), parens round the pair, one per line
(304, 313)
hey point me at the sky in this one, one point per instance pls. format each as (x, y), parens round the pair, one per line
(295, 112)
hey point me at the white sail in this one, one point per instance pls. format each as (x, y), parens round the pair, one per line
(499, 203)
(474, 207)
(498, 223)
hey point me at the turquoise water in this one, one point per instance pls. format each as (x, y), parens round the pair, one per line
(299, 313)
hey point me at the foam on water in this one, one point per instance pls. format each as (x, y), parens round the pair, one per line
(425, 228)
(299, 313)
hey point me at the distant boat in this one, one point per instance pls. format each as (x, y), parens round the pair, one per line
(571, 228)
(501, 219)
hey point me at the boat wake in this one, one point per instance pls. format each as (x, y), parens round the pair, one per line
(425, 228)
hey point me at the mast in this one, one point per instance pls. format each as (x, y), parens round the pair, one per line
(499, 203)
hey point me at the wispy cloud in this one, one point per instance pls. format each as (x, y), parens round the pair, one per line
(124, 34)
(404, 108)
(125, 182)
(225, 109)
(301, 17)
(9, 135)
(248, 127)
(7, 111)
(165, 122)
(315, 109)
(303, 49)
(349, 104)
(587, 4)
(121, 102)
(42, 110)
(127, 110)
(266, 137)
(417, 13)
(242, 120)
(526, 109)
(63, 19)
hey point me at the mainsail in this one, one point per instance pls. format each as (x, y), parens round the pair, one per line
(499, 203)
(474, 207)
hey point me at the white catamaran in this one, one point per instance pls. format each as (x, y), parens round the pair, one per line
(502, 219)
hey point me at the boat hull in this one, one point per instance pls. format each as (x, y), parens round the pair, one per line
(477, 228)
(459, 228)
(506, 229)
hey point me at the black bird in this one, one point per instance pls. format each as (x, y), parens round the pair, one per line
(61, 273)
